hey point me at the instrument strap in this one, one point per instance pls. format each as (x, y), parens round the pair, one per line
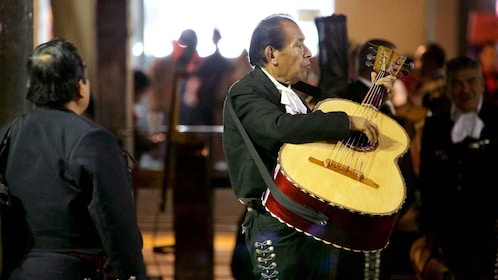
(298, 209)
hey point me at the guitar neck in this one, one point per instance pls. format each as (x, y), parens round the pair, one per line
(375, 94)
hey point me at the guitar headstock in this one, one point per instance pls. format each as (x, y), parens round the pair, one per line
(388, 61)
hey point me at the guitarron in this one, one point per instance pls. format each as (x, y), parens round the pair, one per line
(358, 186)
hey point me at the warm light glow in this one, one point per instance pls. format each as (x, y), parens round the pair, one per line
(43, 23)
(235, 20)
(137, 49)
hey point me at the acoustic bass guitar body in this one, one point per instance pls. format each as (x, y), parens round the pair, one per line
(358, 187)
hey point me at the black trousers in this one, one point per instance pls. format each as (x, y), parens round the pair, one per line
(278, 251)
(55, 266)
(241, 265)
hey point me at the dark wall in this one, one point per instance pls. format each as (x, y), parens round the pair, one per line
(16, 43)
(113, 103)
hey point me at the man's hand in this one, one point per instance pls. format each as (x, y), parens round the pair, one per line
(369, 128)
(386, 82)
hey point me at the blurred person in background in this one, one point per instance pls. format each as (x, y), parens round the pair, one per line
(171, 72)
(487, 55)
(426, 94)
(459, 200)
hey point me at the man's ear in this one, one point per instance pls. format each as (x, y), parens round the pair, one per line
(270, 54)
(81, 85)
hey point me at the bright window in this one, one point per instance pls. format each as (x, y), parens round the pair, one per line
(235, 19)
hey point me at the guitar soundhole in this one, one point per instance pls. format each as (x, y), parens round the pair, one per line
(358, 141)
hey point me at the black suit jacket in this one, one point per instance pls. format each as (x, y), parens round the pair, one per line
(357, 90)
(459, 194)
(256, 101)
(71, 187)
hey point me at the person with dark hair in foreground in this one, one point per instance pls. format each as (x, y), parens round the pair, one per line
(273, 114)
(70, 184)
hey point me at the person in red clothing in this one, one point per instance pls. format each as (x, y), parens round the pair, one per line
(487, 55)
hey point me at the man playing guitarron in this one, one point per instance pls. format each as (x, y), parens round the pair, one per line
(272, 114)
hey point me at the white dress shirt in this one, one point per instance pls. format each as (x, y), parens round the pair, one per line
(293, 103)
(466, 124)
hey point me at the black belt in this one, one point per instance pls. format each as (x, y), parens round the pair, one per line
(256, 204)
(98, 260)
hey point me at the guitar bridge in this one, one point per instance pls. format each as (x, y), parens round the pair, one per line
(344, 170)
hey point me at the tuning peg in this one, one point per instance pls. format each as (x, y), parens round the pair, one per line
(373, 48)
(404, 71)
(407, 67)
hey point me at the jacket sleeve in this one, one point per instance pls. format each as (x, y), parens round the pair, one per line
(100, 160)
(263, 119)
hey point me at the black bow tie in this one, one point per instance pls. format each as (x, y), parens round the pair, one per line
(284, 84)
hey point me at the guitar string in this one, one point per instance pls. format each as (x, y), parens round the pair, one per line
(374, 96)
(353, 152)
(369, 109)
(354, 159)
